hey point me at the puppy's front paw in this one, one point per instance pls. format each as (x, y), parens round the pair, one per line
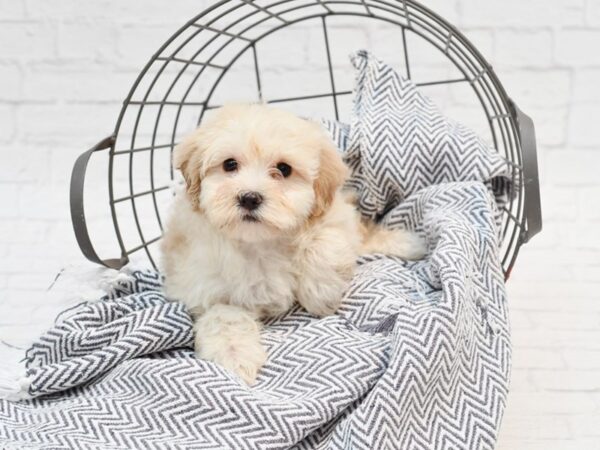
(230, 336)
(243, 358)
(319, 297)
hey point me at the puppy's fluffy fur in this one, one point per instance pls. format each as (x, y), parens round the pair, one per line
(235, 261)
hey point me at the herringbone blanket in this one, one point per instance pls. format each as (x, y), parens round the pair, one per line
(418, 356)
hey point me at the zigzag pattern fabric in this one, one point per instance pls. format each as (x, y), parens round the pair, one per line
(418, 357)
(399, 142)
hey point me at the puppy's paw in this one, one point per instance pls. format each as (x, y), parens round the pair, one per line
(323, 307)
(245, 359)
(320, 297)
(230, 337)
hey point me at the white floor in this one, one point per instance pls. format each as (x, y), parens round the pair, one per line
(554, 400)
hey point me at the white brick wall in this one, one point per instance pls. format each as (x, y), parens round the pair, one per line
(65, 66)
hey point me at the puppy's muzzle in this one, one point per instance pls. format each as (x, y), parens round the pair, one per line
(250, 200)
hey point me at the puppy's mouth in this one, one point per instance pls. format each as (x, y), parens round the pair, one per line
(250, 218)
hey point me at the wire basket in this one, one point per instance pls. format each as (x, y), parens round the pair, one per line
(238, 43)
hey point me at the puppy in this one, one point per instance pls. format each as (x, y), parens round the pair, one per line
(262, 223)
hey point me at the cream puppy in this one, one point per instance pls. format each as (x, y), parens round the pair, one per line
(262, 223)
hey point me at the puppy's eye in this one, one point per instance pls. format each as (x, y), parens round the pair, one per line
(285, 169)
(230, 165)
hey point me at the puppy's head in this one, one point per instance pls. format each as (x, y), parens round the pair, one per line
(257, 172)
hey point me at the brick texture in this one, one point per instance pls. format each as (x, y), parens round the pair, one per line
(66, 66)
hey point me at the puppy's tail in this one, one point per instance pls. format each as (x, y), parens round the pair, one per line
(402, 243)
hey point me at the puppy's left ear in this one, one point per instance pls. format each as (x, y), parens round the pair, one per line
(332, 174)
(188, 159)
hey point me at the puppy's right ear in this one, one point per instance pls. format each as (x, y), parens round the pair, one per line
(332, 174)
(188, 159)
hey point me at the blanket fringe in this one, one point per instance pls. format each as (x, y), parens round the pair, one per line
(14, 384)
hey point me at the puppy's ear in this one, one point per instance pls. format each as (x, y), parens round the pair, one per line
(187, 157)
(332, 174)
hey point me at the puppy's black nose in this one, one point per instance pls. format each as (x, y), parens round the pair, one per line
(250, 200)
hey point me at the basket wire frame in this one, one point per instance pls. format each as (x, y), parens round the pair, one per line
(237, 26)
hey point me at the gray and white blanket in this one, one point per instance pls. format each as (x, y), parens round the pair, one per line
(418, 356)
